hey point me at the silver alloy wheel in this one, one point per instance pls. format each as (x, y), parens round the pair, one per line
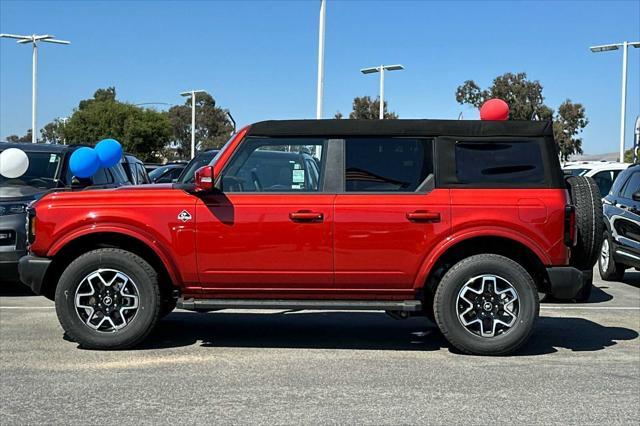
(604, 254)
(106, 300)
(488, 305)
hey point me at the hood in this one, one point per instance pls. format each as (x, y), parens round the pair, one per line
(124, 196)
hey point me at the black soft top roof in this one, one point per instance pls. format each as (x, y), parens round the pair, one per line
(467, 128)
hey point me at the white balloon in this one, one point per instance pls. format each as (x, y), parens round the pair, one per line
(13, 163)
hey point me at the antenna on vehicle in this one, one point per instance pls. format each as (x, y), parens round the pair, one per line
(460, 116)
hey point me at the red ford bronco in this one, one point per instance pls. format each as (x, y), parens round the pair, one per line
(464, 222)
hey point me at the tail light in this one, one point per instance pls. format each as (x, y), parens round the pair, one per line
(570, 233)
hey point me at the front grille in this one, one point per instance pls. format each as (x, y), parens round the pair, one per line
(7, 238)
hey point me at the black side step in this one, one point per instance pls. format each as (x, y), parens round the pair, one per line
(366, 305)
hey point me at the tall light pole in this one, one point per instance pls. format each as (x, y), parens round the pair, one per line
(381, 69)
(34, 39)
(623, 105)
(192, 93)
(320, 89)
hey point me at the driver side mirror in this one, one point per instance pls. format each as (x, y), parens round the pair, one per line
(204, 179)
(636, 196)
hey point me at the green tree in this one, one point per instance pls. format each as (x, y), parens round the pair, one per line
(526, 102)
(142, 132)
(53, 132)
(20, 139)
(567, 125)
(628, 156)
(365, 108)
(213, 126)
(523, 96)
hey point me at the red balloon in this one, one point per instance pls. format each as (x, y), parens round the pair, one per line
(494, 109)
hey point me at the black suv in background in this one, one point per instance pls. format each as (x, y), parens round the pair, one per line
(48, 170)
(621, 212)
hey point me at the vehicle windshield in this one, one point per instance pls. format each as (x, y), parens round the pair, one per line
(200, 160)
(43, 171)
(575, 172)
(157, 172)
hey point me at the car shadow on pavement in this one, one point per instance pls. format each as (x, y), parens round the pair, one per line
(574, 334)
(632, 278)
(14, 289)
(362, 331)
(598, 295)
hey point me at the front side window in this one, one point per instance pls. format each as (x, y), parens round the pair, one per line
(275, 165)
(632, 186)
(387, 164)
(498, 162)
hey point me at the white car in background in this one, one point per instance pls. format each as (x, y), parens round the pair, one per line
(603, 172)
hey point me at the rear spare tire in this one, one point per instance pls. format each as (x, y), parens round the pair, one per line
(586, 198)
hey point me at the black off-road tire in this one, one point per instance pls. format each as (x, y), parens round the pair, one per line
(586, 198)
(445, 305)
(146, 281)
(612, 271)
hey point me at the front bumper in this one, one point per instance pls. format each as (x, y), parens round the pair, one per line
(32, 270)
(566, 281)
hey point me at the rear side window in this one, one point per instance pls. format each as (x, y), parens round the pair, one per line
(387, 164)
(481, 162)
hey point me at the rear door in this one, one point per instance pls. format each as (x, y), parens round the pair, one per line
(388, 215)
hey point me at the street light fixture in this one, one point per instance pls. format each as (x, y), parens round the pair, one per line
(623, 107)
(320, 89)
(192, 93)
(34, 39)
(381, 69)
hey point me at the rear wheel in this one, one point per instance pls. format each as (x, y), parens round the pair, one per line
(108, 299)
(609, 269)
(486, 305)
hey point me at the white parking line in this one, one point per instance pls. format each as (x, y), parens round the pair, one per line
(595, 308)
(27, 307)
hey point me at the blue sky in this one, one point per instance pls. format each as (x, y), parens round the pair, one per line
(258, 58)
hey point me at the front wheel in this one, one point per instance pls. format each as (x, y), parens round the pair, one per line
(607, 266)
(486, 305)
(108, 299)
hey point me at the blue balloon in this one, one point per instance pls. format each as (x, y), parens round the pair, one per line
(84, 162)
(109, 151)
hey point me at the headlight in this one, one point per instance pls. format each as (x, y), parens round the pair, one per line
(7, 209)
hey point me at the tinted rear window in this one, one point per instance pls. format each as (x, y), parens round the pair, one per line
(480, 162)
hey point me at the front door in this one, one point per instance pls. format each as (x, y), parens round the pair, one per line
(388, 216)
(268, 233)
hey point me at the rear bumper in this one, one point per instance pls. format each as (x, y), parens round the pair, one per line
(567, 281)
(32, 270)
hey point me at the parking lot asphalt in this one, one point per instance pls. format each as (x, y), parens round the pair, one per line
(581, 366)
